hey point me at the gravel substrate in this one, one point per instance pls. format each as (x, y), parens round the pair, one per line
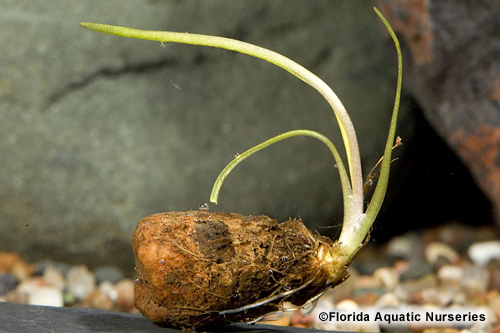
(452, 270)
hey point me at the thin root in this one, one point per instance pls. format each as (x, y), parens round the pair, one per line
(373, 176)
(193, 254)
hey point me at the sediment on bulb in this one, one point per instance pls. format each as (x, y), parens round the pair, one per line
(200, 268)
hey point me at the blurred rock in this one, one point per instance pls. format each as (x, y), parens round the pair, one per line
(12, 263)
(347, 305)
(475, 279)
(298, 320)
(367, 298)
(8, 260)
(416, 270)
(388, 300)
(52, 277)
(98, 300)
(452, 51)
(68, 297)
(403, 246)
(440, 297)
(366, 282)
(42, 265)
(387, 277)
(481, 327)
(29, 286)
(81, 282)
(494, 278)
(108, 273)
(441, 330)
(108, 289)
(481, 253)
(450, 275)
(46, 295)
(411, 286)
(125, 294)
(7, 283)
(434, 252)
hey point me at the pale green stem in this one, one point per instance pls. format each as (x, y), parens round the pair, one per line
(345, 124)
(353, 235)
(356, 224)
(344, 178)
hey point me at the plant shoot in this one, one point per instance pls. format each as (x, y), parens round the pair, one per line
(198, 268)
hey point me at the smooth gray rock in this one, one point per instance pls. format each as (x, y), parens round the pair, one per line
(7, 283)
(99, 131)
(35, 319)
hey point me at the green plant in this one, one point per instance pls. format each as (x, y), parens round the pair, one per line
(357, 221)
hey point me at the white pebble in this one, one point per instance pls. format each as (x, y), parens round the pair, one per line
(476, 278)
(481, 327)
(386, 277)
(402, 246)
(81, 282)
(48, 296)
(108, 289)
(481, 253)
(53, 277)
(347, 305)
(437, 296)
(434, 251)
(388, 300)
(357, 326)
(402, 294)
(459, 298)
(28, 286)
(450, 274)
(125, 294)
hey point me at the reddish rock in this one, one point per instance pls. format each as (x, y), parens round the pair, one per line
(453, 72)
(12, 263)
(125, 291)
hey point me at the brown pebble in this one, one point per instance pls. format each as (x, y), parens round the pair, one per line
(52, 277)
(441, 330)
(366, 299)
(12, 263)
(8, 260)
(401, 266)
(22, 270)
(98, 300)
(496, 329)
(125, 294)
(494, 302)
(494, 279)
(15, 296)
(298, 320)
(366, 282)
